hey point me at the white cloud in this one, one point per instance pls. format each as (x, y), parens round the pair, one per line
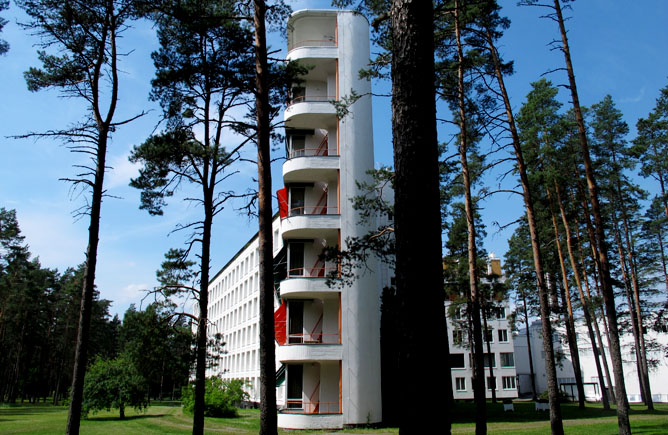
(123, 170)
(638, 98)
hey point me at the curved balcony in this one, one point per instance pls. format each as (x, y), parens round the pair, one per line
(311, 110)
(311, 226)
(294, 420)
(314, 49)
(308, 168)
(309, 287)
(309, 352)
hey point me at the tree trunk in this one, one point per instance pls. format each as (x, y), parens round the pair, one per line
(534, 395)
(479, 395)
(604, 267)
(550, 368)
(489, 352)
(202, 336)
(640, 336)
(570, 321)
(418, 269)
(597, 275)
(268, 417)
(629, 299)
(583, 300)
(83, 334)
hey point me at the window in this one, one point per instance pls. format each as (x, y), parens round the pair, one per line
(459, 337)
(457, 361)
(295, 382)
(460, 384)
(489, 357)
(507, 359)
(298, 143)
(297, 201)
(503, 335)
(296, 259)
(489, 336)
(497, 313)
(298, 94)
(295, 321)
(491, 383)
(508, 382)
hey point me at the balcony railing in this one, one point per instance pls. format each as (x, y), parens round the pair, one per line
(313, 210)
(327, 42)
(306, 407)
(321, 150)
(310, 99)
(314, 338)
(314, 272)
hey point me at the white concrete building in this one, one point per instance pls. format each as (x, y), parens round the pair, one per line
(566, 376)
(328, 338)
(503, 377)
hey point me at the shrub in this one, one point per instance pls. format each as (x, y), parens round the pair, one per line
(113, 384)
(221, 397)
(562, 396)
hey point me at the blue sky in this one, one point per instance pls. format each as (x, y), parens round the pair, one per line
(618, 48)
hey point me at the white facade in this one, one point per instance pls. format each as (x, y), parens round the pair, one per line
(565, 374)
(234, 306)
(503, 377)
(329, 354)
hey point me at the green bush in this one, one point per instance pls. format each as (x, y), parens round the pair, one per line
(562, 396)
(221, 397)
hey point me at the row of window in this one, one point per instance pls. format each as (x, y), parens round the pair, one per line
(460, 336)
(495, 312)
(457, 360)
(507, 382)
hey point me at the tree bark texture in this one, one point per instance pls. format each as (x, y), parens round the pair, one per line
(419, 271)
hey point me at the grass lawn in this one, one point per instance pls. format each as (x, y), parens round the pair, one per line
(165, 419)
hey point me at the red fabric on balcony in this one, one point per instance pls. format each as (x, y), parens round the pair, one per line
(282, 195)
(280, 324)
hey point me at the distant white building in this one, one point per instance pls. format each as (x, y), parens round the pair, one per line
(566, 376)
(503, 377)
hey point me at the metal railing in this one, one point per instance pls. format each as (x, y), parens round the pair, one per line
(306, 407)
(310, 152)
(313, 210)
(310, 99)
(314, 272)
(314, 338)
(327, 42)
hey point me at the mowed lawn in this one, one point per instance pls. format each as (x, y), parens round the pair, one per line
(164, 419)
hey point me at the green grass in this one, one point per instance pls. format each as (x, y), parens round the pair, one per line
(165, 419)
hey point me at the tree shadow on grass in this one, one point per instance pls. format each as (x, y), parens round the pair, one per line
(127, 418)
(28, 410)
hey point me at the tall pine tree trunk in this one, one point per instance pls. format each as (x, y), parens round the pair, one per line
(418, 268)
(479, 368)
(635, 302)
(570, 320)
(489, 352)
(583, 300)
(83, 334)
(534, 395)
(268, 417)
(550, 367)
(604, 266)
